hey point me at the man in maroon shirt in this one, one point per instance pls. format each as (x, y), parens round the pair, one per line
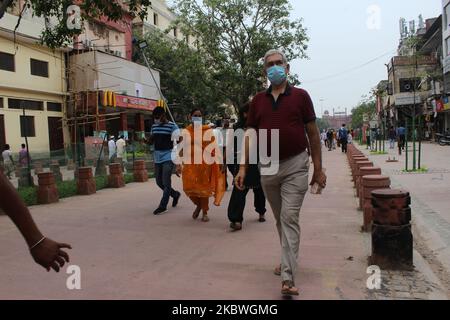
(290, 111)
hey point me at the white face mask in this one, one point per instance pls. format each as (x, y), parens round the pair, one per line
(197, 120)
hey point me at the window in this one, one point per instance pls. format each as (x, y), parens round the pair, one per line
(7, 62)
(408, 85)
(447, 46)
(27, 126)
(155, 19)
(187, 39)
(175, 32)
(1, 102)
(27, 104)
(39, 68)
(54, 106)
(446, 16)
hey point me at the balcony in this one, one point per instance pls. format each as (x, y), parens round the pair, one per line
(410, 61)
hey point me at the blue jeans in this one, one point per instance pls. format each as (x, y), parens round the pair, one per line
(163, 174)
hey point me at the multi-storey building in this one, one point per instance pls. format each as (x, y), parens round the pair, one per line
(32, 87)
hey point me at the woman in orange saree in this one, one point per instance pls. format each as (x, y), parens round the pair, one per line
(201, 180)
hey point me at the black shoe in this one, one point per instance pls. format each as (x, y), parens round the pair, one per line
(175, 199)
(236, 226)
(159, 211)
(262, 219)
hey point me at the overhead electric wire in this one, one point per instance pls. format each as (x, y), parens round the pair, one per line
(349, 70)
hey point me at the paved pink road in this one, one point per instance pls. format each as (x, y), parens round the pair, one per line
(125, 252)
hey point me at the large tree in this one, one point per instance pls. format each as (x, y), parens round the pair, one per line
(59, 34)
(366, 108)
(185, 78)
(233, 36)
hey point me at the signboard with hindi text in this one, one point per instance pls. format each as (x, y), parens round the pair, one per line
(135, 103)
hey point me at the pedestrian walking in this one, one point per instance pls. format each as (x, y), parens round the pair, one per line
(164, 134)
(112, 149)
(323, 138)
(120, 150)
(8, 161)
(290, 111)
(201, 180)
(334, 139)
(401, 136)
(343, 138)
(252, 181)
(368, 140)
(350, 138)
(23, 156)
(330, 139)
(392, 137)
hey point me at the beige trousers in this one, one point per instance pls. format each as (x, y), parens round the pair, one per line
(285, 192)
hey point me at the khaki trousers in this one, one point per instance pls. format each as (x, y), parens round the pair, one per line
(285, 192)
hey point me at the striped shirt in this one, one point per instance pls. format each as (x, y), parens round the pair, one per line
(162, 137)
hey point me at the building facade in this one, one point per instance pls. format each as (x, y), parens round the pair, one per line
(160, 17)
(32, 81)
(414, 79)
(444, 105)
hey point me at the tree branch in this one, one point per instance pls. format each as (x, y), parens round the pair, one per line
(5, 4)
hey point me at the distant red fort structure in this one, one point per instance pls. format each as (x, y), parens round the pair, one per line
(337, 119)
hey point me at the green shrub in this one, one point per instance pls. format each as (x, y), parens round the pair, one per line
(28, 195)
(101, 182)
(128, 178)
(67, 189)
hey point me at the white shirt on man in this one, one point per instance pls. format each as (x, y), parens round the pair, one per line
(120, 145)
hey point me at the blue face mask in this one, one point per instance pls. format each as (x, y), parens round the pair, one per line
(277, 75)
(197, 120)
(157, 121)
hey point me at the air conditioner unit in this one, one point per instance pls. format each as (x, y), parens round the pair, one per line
(118, 53)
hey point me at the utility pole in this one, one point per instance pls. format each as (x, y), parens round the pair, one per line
(25, 128)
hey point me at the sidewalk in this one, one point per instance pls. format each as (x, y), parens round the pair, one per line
(125, 252)
(430, 201)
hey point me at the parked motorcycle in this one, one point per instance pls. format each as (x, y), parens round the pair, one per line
(443, 140)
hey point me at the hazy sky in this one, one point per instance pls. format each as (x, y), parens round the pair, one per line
(340, 40)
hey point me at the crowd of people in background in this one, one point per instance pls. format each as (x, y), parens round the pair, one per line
(9, 164)
(333, 139)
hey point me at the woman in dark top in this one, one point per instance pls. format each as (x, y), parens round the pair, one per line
(252, 181)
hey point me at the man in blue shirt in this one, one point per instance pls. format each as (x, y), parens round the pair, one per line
(401, 132)
(161, 136)
(343, 138)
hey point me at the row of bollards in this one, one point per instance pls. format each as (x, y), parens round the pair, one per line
(48, 192)
(386, 213)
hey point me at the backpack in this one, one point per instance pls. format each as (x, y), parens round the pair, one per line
(343, 134)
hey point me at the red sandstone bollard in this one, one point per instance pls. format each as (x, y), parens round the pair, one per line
(354, 160)
(358, 165)
(115, 178)
(54, 168)
(38, 168)
(366, 171)
(371, 183)
(140, 173)
(392, 240)
(85, 183)
(70, 164)
(47, 191)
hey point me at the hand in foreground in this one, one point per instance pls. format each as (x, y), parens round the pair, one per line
(178, 170)
(239, 179)
(320, 178)
(49, 254)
